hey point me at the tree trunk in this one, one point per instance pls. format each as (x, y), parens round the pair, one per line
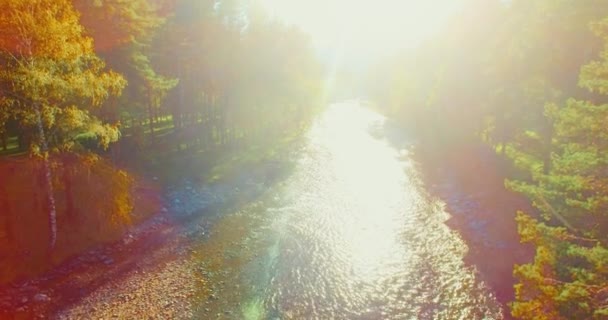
(21, 141)
(548, 149)
(4, 139)
(67, 182)
(177, 108)
(150, 114)
(9, 227)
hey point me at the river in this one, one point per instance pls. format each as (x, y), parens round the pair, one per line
(350, 234)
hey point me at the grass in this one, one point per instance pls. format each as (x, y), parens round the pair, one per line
(226, 162)
(251, 156)
(12, 148)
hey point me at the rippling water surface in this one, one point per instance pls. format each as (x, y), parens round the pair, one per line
(352, 234)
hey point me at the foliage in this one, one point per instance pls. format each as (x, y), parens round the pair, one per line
(88, 84)
(568, 277)
(242, 77)
(50, 76)
(116, 23)
(513, 79)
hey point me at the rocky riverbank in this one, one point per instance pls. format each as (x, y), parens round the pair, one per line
(150, 273)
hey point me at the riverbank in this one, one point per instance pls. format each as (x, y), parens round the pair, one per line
(151, 272)
(54, 209)
(470, 181)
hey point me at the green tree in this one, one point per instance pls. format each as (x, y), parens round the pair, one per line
(124, 32)
(568, 278)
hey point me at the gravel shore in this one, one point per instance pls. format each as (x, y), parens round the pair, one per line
(159, 292)
(151, 273)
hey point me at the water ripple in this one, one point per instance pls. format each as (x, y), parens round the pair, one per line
(356, 237)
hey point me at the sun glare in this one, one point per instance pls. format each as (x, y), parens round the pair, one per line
(367, 26)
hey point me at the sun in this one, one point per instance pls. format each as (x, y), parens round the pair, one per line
(367, 26)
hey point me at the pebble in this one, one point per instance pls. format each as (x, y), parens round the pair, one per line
(128, 239)
(41, 297)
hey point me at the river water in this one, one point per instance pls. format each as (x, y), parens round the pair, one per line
(350, 234)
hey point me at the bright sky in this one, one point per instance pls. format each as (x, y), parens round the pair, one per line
(372, 28)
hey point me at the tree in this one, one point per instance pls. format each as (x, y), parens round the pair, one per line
(51, 80)
(123, 32)
(154, 86)
(506, 79)
(116, 23)
(568, 278)
(50, 76)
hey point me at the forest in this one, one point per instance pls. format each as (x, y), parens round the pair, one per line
(528, 79)
(105, 105)
(95, 94)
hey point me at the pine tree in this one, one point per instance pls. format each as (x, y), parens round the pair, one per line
(123, 31)
(568, 278)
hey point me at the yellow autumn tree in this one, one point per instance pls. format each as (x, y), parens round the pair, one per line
(51, 85)
(51, 80)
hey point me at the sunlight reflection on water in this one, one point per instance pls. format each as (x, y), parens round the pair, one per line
(357, 237)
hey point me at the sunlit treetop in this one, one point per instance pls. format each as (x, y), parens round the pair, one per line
(31, 28)
(113, 23)
(593, 76)
(50, 76)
